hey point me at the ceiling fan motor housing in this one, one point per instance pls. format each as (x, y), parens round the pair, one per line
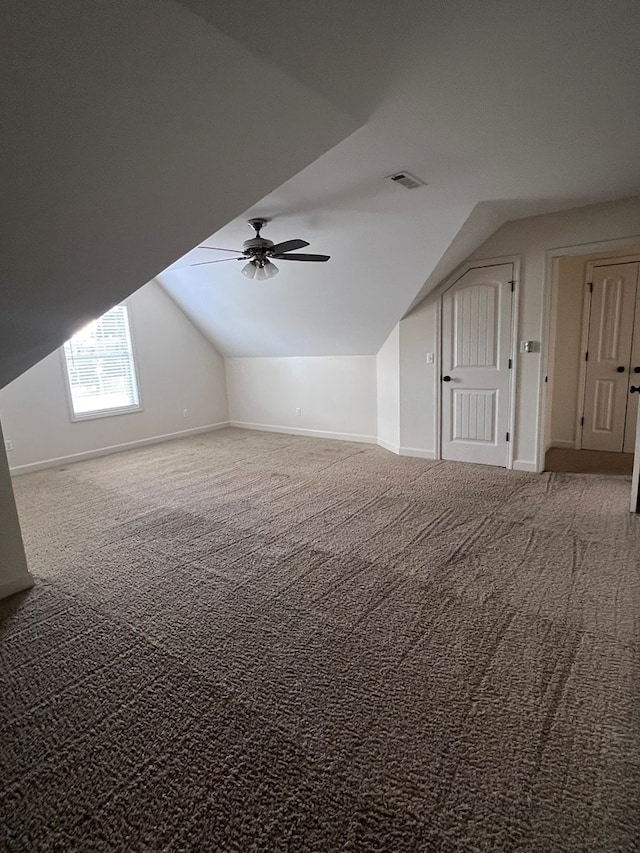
(257, 246)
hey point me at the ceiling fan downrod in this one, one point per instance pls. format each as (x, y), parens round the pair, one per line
(257, 225)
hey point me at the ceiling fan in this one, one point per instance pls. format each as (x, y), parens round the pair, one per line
(258, 252)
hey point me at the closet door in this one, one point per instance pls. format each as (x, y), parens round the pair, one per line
(476, 344)
(634, 378)
(613, 305)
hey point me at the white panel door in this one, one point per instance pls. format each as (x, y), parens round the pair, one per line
(476, 350)
(634, 379)
(613, 303)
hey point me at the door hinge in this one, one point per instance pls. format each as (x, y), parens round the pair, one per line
(586, 356)
(590, 287)
(546, 378)
(508, 439)
(581, 421)
(513, 285)
(510, 363)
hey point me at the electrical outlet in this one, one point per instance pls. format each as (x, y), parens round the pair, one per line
(298, 411)
(185, 413)
(430, 357)
(8, 445)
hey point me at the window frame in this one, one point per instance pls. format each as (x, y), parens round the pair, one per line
(113, 412)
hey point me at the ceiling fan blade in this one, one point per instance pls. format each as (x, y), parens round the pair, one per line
(218, 249)
(287, 246)
(220, 261)
(301, 257)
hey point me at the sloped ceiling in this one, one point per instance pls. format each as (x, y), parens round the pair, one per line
(136, 129)
(507, 110)
(130, 131)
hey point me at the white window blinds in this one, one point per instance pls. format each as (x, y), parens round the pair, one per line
(100, 367)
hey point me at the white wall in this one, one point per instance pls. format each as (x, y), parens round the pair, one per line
(388, 402)
(530, 239)
(418, 380)
(13, 564)
(336, 395)
(177, 369)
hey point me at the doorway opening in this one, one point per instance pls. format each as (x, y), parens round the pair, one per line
(593, 369)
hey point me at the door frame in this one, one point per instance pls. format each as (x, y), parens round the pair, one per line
(448, 283)
(635, 477)
(632, 242)
(584, 333)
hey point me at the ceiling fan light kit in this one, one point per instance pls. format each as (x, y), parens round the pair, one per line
(260, 271)
(258, 252)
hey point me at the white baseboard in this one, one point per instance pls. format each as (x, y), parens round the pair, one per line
(407, 451)
(416, 452)
(106, 451)
(520, 465)
(393, 448)
(19, 584)
(312, 433)
(561, 443)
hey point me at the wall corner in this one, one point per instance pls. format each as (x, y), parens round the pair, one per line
(14, 574)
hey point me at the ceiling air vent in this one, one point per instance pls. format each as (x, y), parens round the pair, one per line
(407, 180)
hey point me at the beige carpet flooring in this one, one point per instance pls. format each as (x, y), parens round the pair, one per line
(256, 642)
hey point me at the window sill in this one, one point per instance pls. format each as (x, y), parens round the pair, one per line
(105, 413)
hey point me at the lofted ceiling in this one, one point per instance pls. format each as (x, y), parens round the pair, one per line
(135, 130)
(506, 110)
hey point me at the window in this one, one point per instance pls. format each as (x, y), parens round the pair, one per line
(100, 367)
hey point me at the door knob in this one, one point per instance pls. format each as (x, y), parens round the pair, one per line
(620, 369)
(636, 369)
(446, 379)
(634, 389)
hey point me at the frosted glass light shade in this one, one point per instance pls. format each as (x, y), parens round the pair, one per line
(265, 271)
(261, 271)
(270, 269)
